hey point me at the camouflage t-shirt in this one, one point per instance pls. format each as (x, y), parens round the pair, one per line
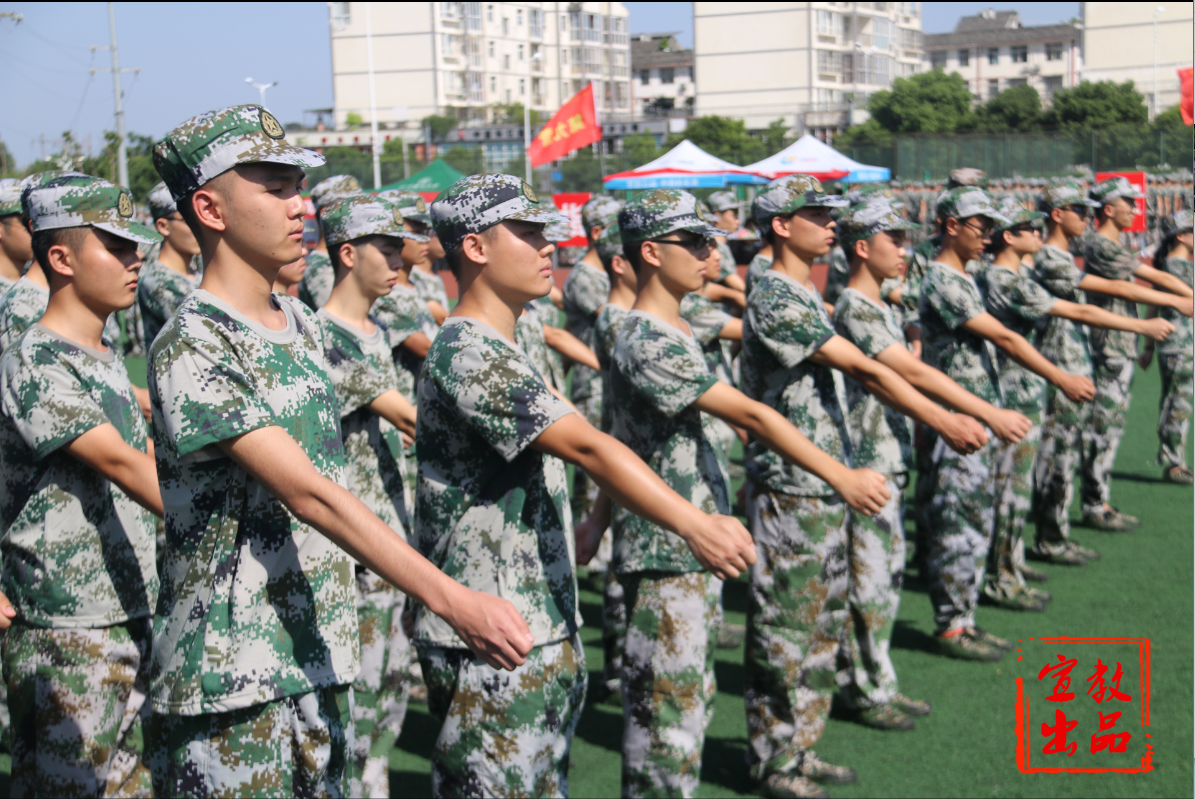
(404, 315)
(950, 298)
(160, 290)
(529, 335)
(1180, 340)
(20, 307)
(361, 369)
(1061, 340)
(255, 605)
(881, 438)
(78, 552)
(838, 274)
(6, 284)
(585, 289)
(656, 376)
(755, 270)
(430, 287)
(706, 319)
(1019, 304)
(491, 512)
(548, 315)
(1108, 259)
(605, 337)
(315, 289)
(785, 324)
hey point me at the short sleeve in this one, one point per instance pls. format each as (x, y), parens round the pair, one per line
(586, 289)
(793, 328)
(954, 297)
(705, 319)
(1058, 275)
(500, 397)
(864, 326)
(48, 405)
(400, 324)
(666, 373)
(1017, 295)
(1109, 260)
(358, 379)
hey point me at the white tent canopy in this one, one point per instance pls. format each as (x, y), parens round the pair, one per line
(810, 156)
(684, 166)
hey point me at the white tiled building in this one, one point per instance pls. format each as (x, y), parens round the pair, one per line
(1141, 42)
(661, 75)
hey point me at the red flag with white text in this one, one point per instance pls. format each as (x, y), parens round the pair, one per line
(574, 126)
(1184, 96)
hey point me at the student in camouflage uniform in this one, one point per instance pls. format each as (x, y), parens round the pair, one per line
(78, 538)
(1113, 354)
(321, 274)
(1065, 343)
(492, 440)
(728, 287)
(15, 248)
(428, 284)
(959, 335)
(257, 700)
(25, 301)
(367, 237)
(1174, 361)
(166, 281)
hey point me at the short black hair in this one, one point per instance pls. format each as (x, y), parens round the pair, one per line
(186, 210)
(334, 250)
(43, 240)
(634, 255)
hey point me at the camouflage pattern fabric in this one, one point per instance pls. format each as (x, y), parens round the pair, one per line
(706, 320)
(490, 511)
(20, 307)
(1059, 456)
(838, 273)
(132, 329)
(1113, 378)
(208, 145)
(585, 291)
(1108, 259)
(965, 202)
(784, 325)
(948, 300)
(504, 733)
(606, 329)
(876, 562)
(290, 625)
(529, 335)
(668, 680)
(161, 204)
(658, 212)
(1174, 416)
(1113, 188)
(160, 290)
(5, 285)
(478, 202)
(916, 267)
(549, 316)
(72, 199)
(410, 203)
(657, 375)
(1181, 340)
(1062, 341)
(726, 264)
(78, 552)
(1020, 304)
(789, 194)
(332, 187)
(77, 698)
(755, 270)
(10, 196)
(600, 211)
(315, 289)
(300, 745)
(722, 201)
(430, 287)
(881, 438)
(795, 615)
(1013, 465)
(609, 243)
(348, 218)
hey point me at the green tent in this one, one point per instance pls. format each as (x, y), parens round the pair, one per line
(435, 177)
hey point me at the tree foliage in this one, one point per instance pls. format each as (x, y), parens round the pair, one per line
(441, 126)
(1015, 109)
(466, 159)
(726, 138)
(1096, 105)
(929, 102)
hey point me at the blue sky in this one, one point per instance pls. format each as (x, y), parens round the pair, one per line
(196, 57)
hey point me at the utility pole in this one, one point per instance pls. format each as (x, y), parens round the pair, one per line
(375, 145)
(261, 89)
(527, 115)
(122, 154)
(1153, 106)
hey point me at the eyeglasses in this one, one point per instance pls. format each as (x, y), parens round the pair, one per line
(1079, 210)
(983, 230)
(692, 245)
(1019, 229)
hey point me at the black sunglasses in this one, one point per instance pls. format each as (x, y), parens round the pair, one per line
(692, 245)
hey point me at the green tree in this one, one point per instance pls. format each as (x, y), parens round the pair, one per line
(870, 134)
(929, 102)
(8, 164)
(1096, 105)
(512, 114)
(465, 159)
(775, 137)
(353, 120)
(1171, 117)
(639, 149)
(441, 126)
(140, 145)
(726, 138)
(582, 172)
(1015, 109)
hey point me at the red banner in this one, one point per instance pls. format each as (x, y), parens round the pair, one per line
(1184, 96)
(570, 205)
(574, 126)
(1138, 181)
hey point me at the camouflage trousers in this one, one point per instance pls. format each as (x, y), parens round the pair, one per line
(504, 733)
(614, 630)
(667, 680)
(1059, 456)
(1101, 437)
(960, 517)
(795, 616)
(923, 492)
(78, 704)
(298, 746)
(1174, 416)
(1013, 464)
(876, 562)
(584, 491)
(381, 688)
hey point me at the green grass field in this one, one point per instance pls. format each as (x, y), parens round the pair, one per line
(1141, 588)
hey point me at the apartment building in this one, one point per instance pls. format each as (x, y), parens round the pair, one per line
(661, 76)
(811, 64)
(461, 59)
(994, 51)
(1143, 42)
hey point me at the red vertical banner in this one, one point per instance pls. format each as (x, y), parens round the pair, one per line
(574, 126)
(570, 205)
(1138, 181)
(1184, 95)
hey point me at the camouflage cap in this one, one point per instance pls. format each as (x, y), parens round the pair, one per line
(409, 202)
(721, 201)
(330, 188)
(10, 196)
(866, 219)
(160, 202)
(965, 202)
(599, 212)
(967, 176)
(866, 192)
(348, 218)
(658, 212)
(1062, 194)
(1108, 190)
(787, 195)
(1178, 222)
(212, 143)
(1015, 214)
(558, 230)
(72, 199)
(479, 202)
(609, 244)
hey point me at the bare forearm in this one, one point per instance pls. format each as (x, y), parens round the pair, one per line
(438, 311)
(896, 393)
(630, 482)
(1164, 280)
(1024, 353)
(777, 434)
(941, 388)
(1094, 316)
(137, 476)
(570, 347)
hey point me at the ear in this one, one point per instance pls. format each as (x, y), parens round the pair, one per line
(650, 253)
(618, 265)
(1056, 215)
(780, 226)
(348, 255)
(162, 226)
(61, 259)
(863, 249)
(473, 248)
(595, 231)
(951, 226)
(210, 209)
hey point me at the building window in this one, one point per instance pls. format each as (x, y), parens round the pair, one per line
(621, 94)
(1014, 83)
(520, 52)
(829, 23)
(505, 26)
(993, 55)
(644, 77)
(451, 45)
(1053, 51)
(450, 12)
(522, 86)
(489, 13)
(593, 60)
(508, 96)
(476, 93)
(490, 50)
(1053, 83)
(667, 74)
(474, 45)
(519, 17)
(619, 70)
(829, 62)
(1020, 53)
(882, 29)
(993, 87)
(964, 58)
(909, 39)
(535, 18)
(341, 17)
(937, 58)
(473, 16)
(493, 85)
(506, 62)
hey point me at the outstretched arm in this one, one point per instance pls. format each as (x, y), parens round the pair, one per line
(732, 330)
(105, 450)
(1079, 389)
(397, 410)
(719, 293)
(488, 625)
(570, 347)
(1163, 280)
(417, 344)
(438, 311)
(1128, 290)
(1093, 316)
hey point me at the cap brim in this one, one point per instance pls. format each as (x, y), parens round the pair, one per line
(425, 219)
(132, 231)
(295, 156)
(828, 201)
(539, 215)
